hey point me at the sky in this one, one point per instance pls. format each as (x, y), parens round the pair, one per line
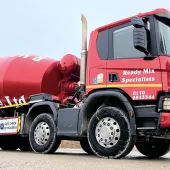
(52, 28)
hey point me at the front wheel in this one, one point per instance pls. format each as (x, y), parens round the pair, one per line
(154, 148)
(43, 134)
(109, 133)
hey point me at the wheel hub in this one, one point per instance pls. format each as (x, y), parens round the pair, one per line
(41, 133)
(107, 132)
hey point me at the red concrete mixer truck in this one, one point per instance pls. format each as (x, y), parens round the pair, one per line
(115, 97)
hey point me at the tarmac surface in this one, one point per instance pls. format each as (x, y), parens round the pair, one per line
(77, 159)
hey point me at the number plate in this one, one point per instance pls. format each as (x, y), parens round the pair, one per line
(9, 125)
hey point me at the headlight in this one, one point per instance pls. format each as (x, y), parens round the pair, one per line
(166, 104)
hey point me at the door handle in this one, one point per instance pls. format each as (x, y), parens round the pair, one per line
(113, 77)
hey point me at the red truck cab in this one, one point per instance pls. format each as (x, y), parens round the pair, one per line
(131, 57)
(114, 62)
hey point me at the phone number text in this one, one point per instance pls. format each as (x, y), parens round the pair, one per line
(141, 95)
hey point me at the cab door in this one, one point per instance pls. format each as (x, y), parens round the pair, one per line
(127, 68)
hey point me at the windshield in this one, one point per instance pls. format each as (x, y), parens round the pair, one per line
(164, 32)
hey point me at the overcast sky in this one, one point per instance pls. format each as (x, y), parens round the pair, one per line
(52, 28)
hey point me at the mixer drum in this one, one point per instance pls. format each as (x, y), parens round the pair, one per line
(22, 76)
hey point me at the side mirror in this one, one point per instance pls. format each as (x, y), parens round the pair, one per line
(139, 35)
(140, 39)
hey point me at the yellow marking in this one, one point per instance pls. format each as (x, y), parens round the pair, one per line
(135, 85)
(19, 124)
(14, 105)
(123, 85)
(96, 86)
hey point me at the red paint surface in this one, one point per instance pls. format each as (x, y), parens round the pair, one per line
(23, 76)
(95, 66)
(165, 120)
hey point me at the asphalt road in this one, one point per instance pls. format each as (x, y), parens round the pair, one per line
(76, 159)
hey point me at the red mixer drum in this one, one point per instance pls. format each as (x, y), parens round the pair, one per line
(22, 76)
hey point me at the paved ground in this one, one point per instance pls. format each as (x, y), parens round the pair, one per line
(76, 159)
(70, 144)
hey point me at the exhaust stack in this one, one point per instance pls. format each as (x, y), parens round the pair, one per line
(83, 52)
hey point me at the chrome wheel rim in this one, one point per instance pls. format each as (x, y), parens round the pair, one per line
(42, 133)
(107, 132)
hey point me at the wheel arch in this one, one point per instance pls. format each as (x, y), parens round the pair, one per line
(38, 108)
(96, 100)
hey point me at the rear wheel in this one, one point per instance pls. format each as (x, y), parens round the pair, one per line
(43, 134)
(85, 146)
(154, 148)
(109, 133)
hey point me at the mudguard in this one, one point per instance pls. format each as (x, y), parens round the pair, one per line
(45, 107)
(102, 93)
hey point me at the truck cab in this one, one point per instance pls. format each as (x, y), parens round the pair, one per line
(116, 59)
(133, 58)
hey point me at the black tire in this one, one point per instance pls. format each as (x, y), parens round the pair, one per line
(9, 142)
(124, 142)
(85, 146)
(24, 144)
(154, 148)
(53, 141)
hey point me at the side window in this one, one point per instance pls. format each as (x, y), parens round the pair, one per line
(123, 44)
(103, 44)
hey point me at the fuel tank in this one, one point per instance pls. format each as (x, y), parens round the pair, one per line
(25, 75)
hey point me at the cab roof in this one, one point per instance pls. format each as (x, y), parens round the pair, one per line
(156, 11)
